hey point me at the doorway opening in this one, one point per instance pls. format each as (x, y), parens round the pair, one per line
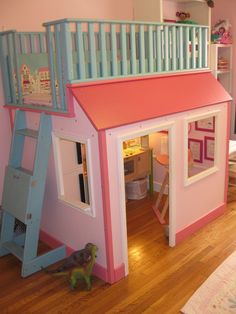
(149, 224)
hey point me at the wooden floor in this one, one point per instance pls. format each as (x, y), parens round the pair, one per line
(161, 279)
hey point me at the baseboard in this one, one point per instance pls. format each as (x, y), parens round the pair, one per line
(98, 270)
(190, 229)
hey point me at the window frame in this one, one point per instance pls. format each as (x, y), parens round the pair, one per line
(88, 209)
(205, 173)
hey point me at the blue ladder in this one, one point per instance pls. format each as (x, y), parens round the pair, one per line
(23, 195)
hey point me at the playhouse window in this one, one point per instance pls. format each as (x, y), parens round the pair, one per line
(72, 172)
(200, 147)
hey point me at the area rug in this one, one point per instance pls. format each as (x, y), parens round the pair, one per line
(217, 295)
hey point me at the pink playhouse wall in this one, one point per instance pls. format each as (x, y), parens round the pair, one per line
(186, 214)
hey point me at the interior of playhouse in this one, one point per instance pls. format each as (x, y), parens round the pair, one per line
(146, 165)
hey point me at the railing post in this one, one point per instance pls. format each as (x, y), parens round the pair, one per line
(133, 57)
(103, 49)
(114, 66)
(17, 68)
(92, 51)
(141, 49)
(150, 48)
(4, 68)
(123, 50)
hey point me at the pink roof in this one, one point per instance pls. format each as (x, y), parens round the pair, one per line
(114, 103)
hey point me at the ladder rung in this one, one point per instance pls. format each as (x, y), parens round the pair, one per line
(28, 132)
(14, 248)
(25, 171)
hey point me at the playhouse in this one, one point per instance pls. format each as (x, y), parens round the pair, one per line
(121, 94)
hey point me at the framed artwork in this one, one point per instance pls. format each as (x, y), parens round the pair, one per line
(209, 148)
(205, 125)
(196, 147)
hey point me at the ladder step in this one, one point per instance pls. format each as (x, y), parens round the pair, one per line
(28, 132)
(24, 170)
(15, 249)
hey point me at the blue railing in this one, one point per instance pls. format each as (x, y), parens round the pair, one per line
(76, 50)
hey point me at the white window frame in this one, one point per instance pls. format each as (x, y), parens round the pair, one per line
(215, 167)
(88, 209)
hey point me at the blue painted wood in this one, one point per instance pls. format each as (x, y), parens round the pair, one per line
(51, 66)
(193, 47)
(150, 49)
(114, 63)
(186, 47)
(32, 43)
(42, 42)
(80, 51)
(7, 231)
(17, 69)
(23, 198)
(166, 49)
(141, 49)
(133, 57)
(22, 43)
(173, 48)
(4, 69)
(159, 49)
(181, 48)
(92, 51)
(124, 69)
(58, 48)
(11, 68)
(199, 47)
(204, 48)
(67, 52)
(103, 50)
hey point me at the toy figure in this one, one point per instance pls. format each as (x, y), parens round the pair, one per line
(183, 18)
(77, 258)
(221, 33)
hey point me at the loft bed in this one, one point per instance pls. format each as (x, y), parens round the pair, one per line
(36, 66)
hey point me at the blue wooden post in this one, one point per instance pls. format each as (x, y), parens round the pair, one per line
(58, 49)
(67, 51)
(166, 48)
(103, 50)
(204, 46)
(174, 49)
(114, 66)
(51, 65)
(11, 59)
(42, 42)
(199, 47)
(17, 68)
(141, 49)
(92, 51)
(150, 48)
(123, 50)
(181, 46)
(193, 47)
(159, 49)
(32, 42)
(133, 57)
(186, 47)
(79, 42)
(4, 68)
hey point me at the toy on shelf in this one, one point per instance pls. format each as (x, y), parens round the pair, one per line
(210, 3)
(183, 18)
(222, 64)
(221, 32)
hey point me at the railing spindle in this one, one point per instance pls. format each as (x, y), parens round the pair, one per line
(133, 56)
(150, 48)
(186, 48)
(199, 47)
(92, 51)
(166, 47)
(103, 50)
(141, 49)
(193, 47)
(174, 52)
(123, 50)
(51, 65)
(11, 66)
(79, 43)
(17, 69)
(159, 49)
(204, 46)
(114, 66)
(58, 48)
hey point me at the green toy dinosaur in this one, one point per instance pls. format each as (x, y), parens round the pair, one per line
(85, 272)
(77, 258)
(82, 272)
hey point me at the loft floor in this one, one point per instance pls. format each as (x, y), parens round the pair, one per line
(161, 278)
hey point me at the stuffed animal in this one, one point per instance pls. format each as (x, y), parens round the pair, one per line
(221, 32)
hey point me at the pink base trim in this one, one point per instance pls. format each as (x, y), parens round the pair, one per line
(189, 230)
(99, 271)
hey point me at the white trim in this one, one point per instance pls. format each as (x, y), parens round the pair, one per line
(82, 207)
(215, 167)
(170, 126)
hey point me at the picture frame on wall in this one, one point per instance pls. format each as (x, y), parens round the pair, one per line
(205, 125)
(209, 148)
(196, 147)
